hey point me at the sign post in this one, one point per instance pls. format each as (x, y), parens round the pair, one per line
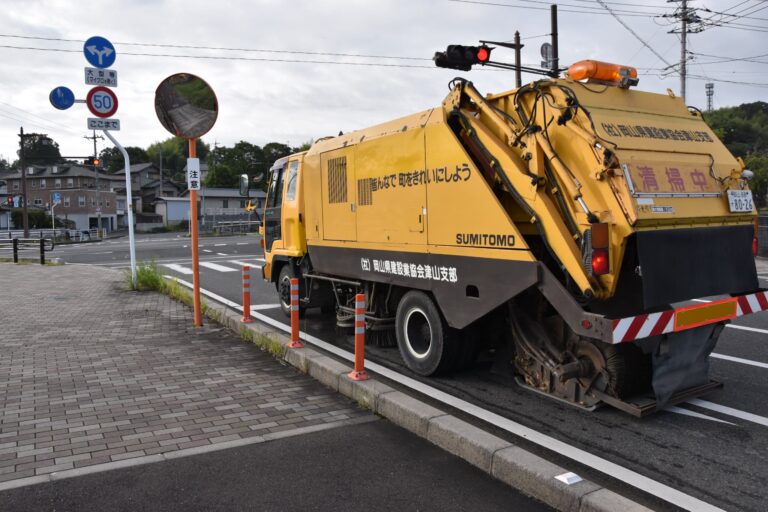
(55, 200)
(187, 107)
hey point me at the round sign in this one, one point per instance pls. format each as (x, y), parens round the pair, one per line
(99, 52)
(186, 105)
(102, 102)
(62, 98)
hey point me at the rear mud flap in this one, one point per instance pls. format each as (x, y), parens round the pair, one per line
(681, 361)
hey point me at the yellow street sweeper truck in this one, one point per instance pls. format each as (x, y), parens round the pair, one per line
(565, 226)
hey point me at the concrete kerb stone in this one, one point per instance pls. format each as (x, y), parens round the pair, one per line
(506, 462)
(534, 475)
(407, 412)
(472, 444)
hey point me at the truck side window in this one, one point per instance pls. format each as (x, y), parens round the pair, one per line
(290, 191)
(275, 198)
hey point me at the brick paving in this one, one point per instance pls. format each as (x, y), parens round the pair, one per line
(92, 374)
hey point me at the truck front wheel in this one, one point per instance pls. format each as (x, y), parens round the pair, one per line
(426, 343)
(284, 289)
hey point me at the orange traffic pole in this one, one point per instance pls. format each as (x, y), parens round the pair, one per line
(295, 341)
(246, 295)
(358, 373)
(195, 256)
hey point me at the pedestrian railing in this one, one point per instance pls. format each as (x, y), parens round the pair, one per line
(18, 245)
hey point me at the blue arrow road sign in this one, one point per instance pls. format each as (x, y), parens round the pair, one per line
(56, 197)
(62, 98)
(99, 52)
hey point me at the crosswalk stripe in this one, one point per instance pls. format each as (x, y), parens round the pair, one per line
(178, 268)
(241, 263)
(214, 266)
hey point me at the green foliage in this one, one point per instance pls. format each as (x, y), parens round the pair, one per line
(225, 165)
(175, 152)
(112, 159)
(38, 219)
(744, 131)
(5, 165)
(147, 277)
(39, 149)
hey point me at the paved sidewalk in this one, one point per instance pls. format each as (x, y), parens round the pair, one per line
(91, 374)
(95, 379)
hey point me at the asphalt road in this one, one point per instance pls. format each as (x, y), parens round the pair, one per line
(715, 449)
(318, 471)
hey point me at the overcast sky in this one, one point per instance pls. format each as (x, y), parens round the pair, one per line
(263, 100)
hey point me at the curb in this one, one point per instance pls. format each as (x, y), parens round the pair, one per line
(495, 456)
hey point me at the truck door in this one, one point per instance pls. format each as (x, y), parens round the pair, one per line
(272, 208)
(339, 195)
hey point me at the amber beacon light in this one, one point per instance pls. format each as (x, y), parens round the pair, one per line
(596, 71)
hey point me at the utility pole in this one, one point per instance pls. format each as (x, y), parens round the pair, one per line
(96, 170)
(709, 87)
(24, 213)
(555, 52)
(687, 17)
(518, 63)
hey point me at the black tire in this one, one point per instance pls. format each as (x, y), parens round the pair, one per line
(426, 343)
(284, 289)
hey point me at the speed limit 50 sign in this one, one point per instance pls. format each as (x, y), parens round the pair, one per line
(102, 102)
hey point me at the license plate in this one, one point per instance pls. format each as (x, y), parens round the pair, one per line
(740, 201)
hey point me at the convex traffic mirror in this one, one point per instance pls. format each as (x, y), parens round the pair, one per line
(186, 105)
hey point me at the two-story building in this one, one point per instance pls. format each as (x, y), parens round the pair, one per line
(85, 195)
(146, 185)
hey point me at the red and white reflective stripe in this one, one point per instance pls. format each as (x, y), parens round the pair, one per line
(646, 325)
(294, 295)
(643, 326)
(752, 303)
(360, 315)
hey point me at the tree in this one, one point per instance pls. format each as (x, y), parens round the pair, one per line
(175, 151)
(39, 149)
(5, 165)
(112, 159)
(744, 132)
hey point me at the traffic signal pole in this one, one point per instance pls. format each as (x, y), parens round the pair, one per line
(195, 253)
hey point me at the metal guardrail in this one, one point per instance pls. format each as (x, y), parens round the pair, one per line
(22, 244)
(58, 233)
(245, 226)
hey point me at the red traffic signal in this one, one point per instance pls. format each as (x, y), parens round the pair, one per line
(462, 57)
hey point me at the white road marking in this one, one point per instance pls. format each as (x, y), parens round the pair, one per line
(219, 245)
(259, 307)
(686, 412)
(184, 246)
(242, 243)
(214, 266)
(178, 268)
(222, 254)
(206, 250)
(739, 360)
(730, 411)
(604, 466)
(105, 252)
(745, 328)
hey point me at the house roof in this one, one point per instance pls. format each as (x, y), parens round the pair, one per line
(138, 168)
(166, 183)
(171, 199)
(66, 171)
(229, 193)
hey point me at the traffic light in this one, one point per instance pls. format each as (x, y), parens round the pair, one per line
(96, 164)
(462, 57)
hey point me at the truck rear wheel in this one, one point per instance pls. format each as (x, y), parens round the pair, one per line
(426, 343)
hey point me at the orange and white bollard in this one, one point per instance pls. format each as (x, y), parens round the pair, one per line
(246, 295)
(358, 373)
(295, 341)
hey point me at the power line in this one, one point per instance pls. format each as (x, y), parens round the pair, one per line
(631, 31)
(220, 48)
(541, 2)
(213, 57)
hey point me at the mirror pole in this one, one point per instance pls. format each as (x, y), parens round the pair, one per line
(195, 255)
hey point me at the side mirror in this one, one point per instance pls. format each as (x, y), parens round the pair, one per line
(244, 184)
(747, 174)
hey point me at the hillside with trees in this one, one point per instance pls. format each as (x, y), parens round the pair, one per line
(744, 130)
